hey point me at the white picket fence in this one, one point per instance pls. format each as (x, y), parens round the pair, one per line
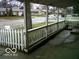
(13, 38)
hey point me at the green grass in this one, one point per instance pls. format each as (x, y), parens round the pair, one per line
(18, 17)
(33, 16)
(38, 24)
(33, 25)
(12, 17)
(21, 17)
(41, 24)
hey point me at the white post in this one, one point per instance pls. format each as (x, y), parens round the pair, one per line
(27, 14)
(58, 19)
(47, 18)
(27, 17)
(65, 15)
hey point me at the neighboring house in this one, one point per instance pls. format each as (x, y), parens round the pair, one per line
(15, 11)
(34, 11)
(2, 11)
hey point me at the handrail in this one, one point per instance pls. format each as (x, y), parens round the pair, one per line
(30, 30)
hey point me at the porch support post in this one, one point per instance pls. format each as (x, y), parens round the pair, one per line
(28, 14)
(65, 15)
(28, 23)
(58, 19)
(47, 18)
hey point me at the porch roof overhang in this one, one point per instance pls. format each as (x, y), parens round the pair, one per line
(57, 3)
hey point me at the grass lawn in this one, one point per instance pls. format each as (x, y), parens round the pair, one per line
(41, 24)
(21, 17)
(38, 24)
(12, 17)
(33, 16)
(18, 17)
(34, 25)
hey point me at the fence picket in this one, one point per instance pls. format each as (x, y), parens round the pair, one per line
(3, 37)
(8, 37)
(13, 38)
(18, 39)
(21, 39)
(6, 40)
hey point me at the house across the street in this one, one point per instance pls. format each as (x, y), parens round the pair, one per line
(15, 11)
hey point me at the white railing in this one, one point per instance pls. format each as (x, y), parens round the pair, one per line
(16, 38)
(72, 21)
(61, 25)
(39, 33)
(52, 28)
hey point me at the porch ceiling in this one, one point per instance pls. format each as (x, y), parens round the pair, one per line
(58, 3)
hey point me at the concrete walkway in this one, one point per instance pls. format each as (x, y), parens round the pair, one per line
(63, 37)
(54, 49)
